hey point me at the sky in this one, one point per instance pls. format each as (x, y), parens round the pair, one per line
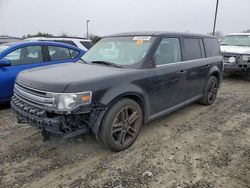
(22, 17)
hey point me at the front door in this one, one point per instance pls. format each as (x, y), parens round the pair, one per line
(21, 59)
(169, 87)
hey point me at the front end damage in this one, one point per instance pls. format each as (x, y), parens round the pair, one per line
(78, 122)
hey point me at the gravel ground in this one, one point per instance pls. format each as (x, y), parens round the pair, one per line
(194, 147)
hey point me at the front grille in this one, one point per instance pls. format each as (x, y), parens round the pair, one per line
(33, 96)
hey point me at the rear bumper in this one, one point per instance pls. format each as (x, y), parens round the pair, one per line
(36, 117)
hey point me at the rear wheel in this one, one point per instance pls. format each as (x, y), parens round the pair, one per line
(210, 92)
(121, 125)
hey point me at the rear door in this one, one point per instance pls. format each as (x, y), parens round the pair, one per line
(21, 59)
(57, 54)
(169, 87)
(197, 67)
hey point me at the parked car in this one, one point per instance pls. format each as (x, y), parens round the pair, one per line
(81, 43)
(19, 56)
(113, 95)
(236, 52)
(7, 39)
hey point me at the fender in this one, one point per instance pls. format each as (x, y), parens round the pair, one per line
(215, 71)
(114, 94)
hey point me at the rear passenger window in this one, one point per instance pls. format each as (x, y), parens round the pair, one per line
(58, 53)
(212, 47)
(168, 51)
(192, 49)
(73, 53)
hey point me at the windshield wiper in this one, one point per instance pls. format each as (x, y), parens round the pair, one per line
(106, 63)
(240, 45)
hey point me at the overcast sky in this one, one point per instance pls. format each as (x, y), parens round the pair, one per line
(22, 17)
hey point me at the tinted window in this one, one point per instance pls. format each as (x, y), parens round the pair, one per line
(168, 51)
(212, 47)
(192, 49)
(58, 53)
(26, 55)
(86, 44)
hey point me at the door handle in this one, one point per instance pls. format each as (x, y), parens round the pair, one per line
(181, 72)
(205, 67)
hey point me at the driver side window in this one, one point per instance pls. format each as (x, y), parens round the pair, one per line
(25, 55)
(168, 51)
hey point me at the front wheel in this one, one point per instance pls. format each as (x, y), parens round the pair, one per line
(121, 125)
(210, 92)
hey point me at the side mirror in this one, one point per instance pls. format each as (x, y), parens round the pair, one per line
(4, 62)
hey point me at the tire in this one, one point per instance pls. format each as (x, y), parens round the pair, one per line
(121, 125)
(210, 92)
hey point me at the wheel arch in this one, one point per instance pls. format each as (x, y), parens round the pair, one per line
(214, 71)
(137, 96)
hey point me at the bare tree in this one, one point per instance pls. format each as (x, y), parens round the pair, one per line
(218, 34)
(246, 31)
(39, 34)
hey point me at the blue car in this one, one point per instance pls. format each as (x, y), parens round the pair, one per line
(19, 56)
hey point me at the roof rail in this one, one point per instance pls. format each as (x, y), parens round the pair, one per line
(59, 37)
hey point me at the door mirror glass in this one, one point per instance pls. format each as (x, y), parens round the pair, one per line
(4, 62)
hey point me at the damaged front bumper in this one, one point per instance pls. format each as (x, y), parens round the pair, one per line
(68, 125)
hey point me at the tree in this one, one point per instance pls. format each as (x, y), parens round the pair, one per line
(95, 38)
(39, 34)
(246, 31)
(218, 34)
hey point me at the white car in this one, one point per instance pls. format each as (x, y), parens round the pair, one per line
(81, 43)
(235, 49)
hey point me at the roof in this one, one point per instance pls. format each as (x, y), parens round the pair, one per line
(245, 34)
(27, 43)
(157, 33)
(9, 37)
(56, 37)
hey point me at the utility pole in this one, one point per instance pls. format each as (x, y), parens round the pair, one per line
(215, 16)
(87, 24)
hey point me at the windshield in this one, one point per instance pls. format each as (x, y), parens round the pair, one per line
(3, 47)
(121, 51)
(236, 40)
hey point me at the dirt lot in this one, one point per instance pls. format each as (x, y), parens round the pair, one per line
(195, 147)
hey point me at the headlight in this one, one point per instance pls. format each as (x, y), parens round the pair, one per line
(245, 58)
(68, 101)
(232, 59)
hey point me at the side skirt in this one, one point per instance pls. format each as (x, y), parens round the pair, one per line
(174, 108)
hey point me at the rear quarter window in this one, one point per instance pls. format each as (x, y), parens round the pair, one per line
(212, 47)
(86, 44)
(192, 49)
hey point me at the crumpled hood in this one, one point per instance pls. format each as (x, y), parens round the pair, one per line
(235, 49)
(56, 78)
